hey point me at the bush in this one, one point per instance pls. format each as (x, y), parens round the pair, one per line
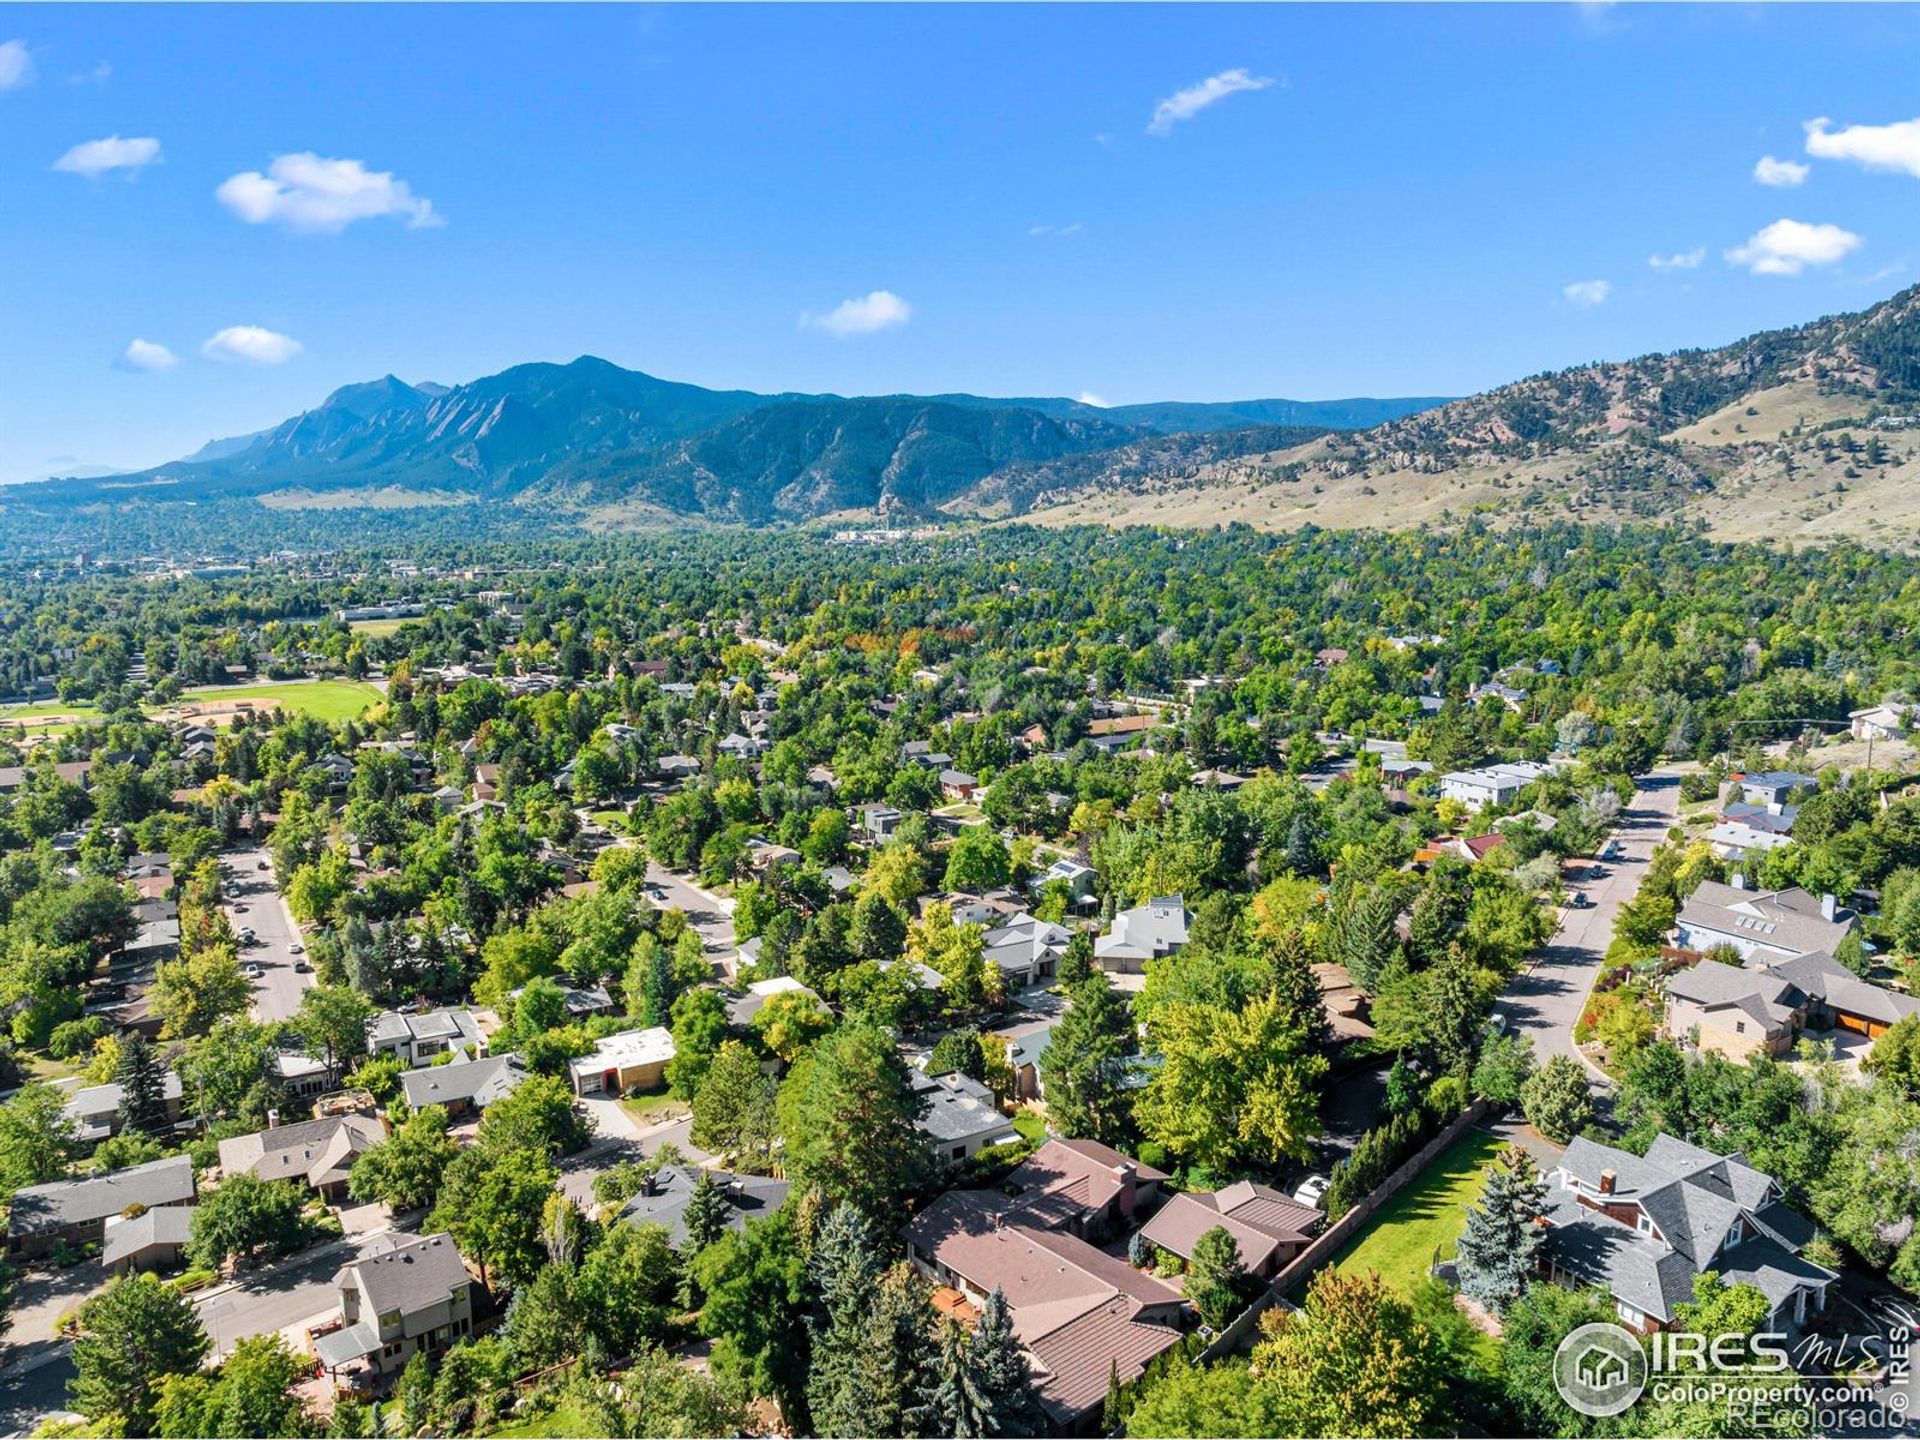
(73, 1038)
(1378, 1155)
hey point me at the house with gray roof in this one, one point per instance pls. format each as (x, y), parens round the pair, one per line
(407, 1294)
(415, 1037)
(1027, 949)
(1736, 1011)
(152, 1240)
(465, 1086)
(1772, 787)
(663, 1199)
(1762, 925)
(95, 1109)
(960, 1117)
(1143, 933)
(317, 1153)
(1643, 1227)
(77, 1211)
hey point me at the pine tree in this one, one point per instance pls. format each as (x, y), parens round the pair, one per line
(1498, 1247)
(143, 1103)
(1002, 1374)
(955, 1404)
(869, 1341)
(1290, 963)
(1216, 1276)
(1083, 1065)
(705, 1217)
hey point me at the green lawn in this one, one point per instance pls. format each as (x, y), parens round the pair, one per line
(559, 1423)
(1428, 1216)
(656, 1108)
(1030, 1126)
(79, 708)
(329, 700)
(378, 628)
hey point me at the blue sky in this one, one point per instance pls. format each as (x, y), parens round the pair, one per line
(1381, 201)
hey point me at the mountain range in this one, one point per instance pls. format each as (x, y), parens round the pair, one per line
(590, 435)
(1807, 432)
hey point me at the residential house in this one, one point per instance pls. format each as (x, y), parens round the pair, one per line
(996, 907)
(1268, 1229)
(875, 821)
(663, 1196)
(412, 1294)
(1642, 1228)
(464, 1087)
(1077, 877)
(1121, 732)
(76, 1212)
(1143, 933)
(623, 1062)
(1752, 829)
(1773, 787)
(1084, 1317)
(1887, 721)
(95, 1109)
(742, 1008)
(1472, 849)
(1763, 925)
(1737, 1011)
(676, 767)
(922, 753)
(1510, 696)
(1025, 1046)
(1494, 785)
(742, 747)
(1089, 1189)
(415, 1037)
(958, 785)
(152, 1240)
(1026, 949)
(960, 1117)
(764, 855)
(317, 1152)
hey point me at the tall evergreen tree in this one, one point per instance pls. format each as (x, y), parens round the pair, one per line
(1498, 1248)
(843, 1271)
(1084, 1064)
(705, 1217)
(143, 1102)
(1290, 962)
(995, 1357)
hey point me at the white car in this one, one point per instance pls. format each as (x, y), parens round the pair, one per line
(252, 972)
(1311, 1190)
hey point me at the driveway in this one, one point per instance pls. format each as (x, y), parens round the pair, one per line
(1544, 1001)
(577, 1172)
(253, 901)
(708, 914)
(265, 1301)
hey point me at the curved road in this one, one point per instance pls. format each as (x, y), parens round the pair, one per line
(1544, 1001)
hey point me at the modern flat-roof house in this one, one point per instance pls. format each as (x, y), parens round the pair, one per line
(1143, 933)
(416, 1037)
(1026, 949)
(1738, 1010)
(95, 1109)
(1772, 787)
(464, 1086)
(663, 1199)
(960, 1118)
(317, 1152)
(152, 1240)
(1752, 829)
(1491, 784)
(1642, 1227)
(77, 1211)
(414, 1294)
(742, 1008)
(629, 1060)
(1763, 925)
(1078, 878)
(1083, 1316)
(1267, 1228)
(875, 821)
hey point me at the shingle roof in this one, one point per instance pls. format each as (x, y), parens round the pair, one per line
(316, 1151)
(480, 1081)
(163, 1225)
(409, 1277)
(41, 1208)
(665, 1203)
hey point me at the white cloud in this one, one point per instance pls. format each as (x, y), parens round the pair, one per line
(1586, 293)
(148, 355)
(877, 310)
(1041, 231)
(1878, 147)
(1786, 247)
(1782, 174)
(305, 192)
(16, 64)
(1087, 397)
(251, 345)
(1679, 260)
(98, 75)
(1187, 103)
(93, 158)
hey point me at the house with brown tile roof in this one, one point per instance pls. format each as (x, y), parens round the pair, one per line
(1080, 1313)
(1267, 1227)
(1084, 1187)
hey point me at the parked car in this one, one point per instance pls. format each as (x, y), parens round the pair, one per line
(252, 972)
(1312, 1190)
(247, 937)
(301, 967)
(1579, 900)
(296, 948)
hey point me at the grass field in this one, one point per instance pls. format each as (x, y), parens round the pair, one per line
(656, 1108)
(1426, 1217)
(329, 700)
(377, 628)
(561, 1421)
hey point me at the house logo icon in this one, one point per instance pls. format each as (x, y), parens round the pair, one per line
(1600, 1369)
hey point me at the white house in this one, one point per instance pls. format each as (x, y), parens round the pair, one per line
(1492, 784)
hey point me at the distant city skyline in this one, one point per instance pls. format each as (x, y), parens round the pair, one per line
(217, 215)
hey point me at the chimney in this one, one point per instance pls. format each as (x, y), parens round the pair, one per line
(1739, 880)
(1774, 807)
(273, 1119)
(1826, 907)
(1607, 1180)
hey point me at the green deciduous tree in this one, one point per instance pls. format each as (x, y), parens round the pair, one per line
(132, 1334)
(846, 1116)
